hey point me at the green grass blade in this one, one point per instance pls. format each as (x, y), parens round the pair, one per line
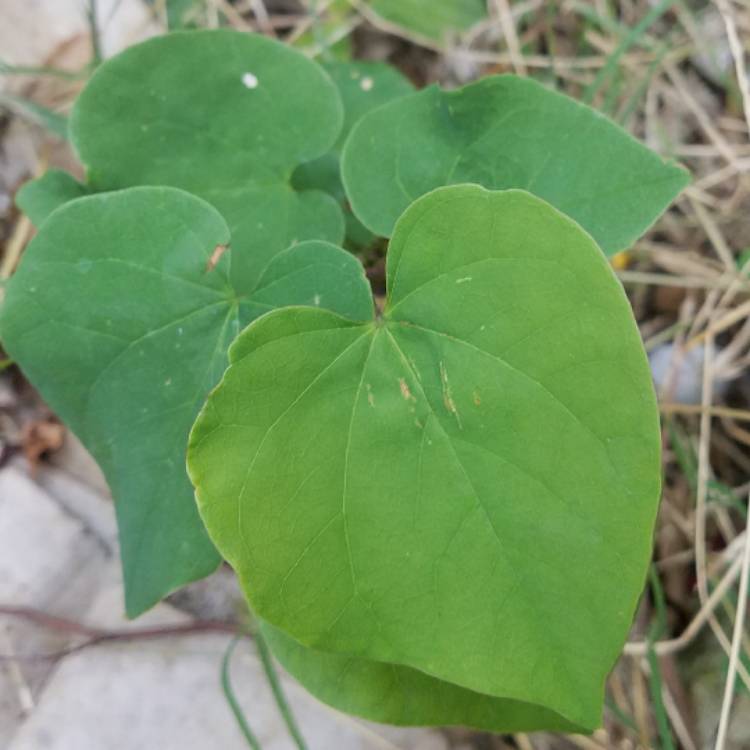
(7, 69)
(655, 683)
(623, 717)
(54, 122)
(632, 38)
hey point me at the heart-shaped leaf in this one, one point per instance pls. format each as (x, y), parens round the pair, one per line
(363, 86)
(40, 197)
(121, 313)
(431, 19)
(394, 694)
(507, 132)
(466, 486)
(226, 116)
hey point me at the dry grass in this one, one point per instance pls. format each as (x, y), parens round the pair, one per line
(672, 74)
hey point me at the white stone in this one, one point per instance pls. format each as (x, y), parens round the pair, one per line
(48, 562)
(41, 547)
(162, 693)
(678, 375)
(166, 694)
(79, 463)
(92, 508)
(31, 31)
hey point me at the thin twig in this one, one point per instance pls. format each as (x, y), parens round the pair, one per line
(18, 678)
(261, 15)
(15, 246)
(700, 504)
(96, 636)
(734, 656)
(683, 89)
(741, 415)
(673, 645)
(716, 238)
(738, 55)
(508, 25)
(664, 279)
(717, 326)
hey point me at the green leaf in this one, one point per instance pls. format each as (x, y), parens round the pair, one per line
(363, 86)
(433, 19)
(121, 313)
(40, 197)
(393, 694)
(507, 132)
(226, 116)
(466, 486)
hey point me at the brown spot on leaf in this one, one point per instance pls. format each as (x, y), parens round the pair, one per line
(405, 392)
(448, 401)
(219, 250)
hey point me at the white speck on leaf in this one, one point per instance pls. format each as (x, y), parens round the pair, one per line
(463, 280)
(370, 397)
(168, 381)
(366, 84)
(249, 81)
(316, 300)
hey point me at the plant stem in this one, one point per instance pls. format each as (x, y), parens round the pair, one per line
(228, 690)
(278, 693)
(93, 18)
(655, 683)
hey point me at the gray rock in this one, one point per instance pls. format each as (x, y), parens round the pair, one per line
(166, 694)
(49, 562)
(678, 376)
